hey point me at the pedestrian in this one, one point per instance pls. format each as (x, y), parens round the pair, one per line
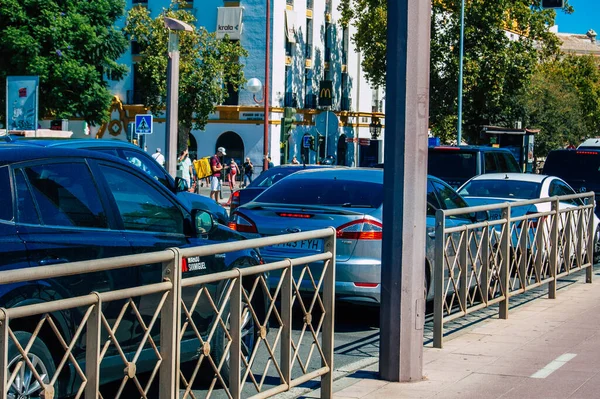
(185, 165)
(233, 171)
(248, 171)
(295, 161)
(217, 168)
(269, 162)
(159, 157)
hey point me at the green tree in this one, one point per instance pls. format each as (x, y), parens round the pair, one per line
(71, 45)
(495, 68)
(563, 101)
(207, 66)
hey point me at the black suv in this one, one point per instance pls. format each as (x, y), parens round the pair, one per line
(455, 165)
(137, 157)
(64, 205)
(579, 168)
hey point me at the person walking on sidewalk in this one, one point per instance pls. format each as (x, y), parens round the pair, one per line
(233, 171)
(159, 157)
(215, 179)
(248, 171)
(186, 168)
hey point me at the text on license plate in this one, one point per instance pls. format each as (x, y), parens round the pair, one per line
(495, 215)
(313, 245)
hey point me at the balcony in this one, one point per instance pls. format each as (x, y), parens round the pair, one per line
(290, 100)
(310, 102)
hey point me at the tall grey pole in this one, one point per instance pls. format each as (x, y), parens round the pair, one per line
(172, 103)
(460, 71)
(326, 129)
(405, 178)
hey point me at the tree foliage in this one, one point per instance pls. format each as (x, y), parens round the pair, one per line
(495, 68)
(563, 101)
(71, 45)
(207, 65)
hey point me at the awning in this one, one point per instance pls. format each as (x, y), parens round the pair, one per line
(290, 25)
(229, 22)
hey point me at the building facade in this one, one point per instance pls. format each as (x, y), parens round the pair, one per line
(310, 49)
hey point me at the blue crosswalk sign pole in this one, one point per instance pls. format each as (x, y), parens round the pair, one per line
(143, 124)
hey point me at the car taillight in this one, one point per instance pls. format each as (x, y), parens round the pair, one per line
(533, 223)
(234, 202)
(362, 229)
(294, 215)
(366, 285)
(242, 224)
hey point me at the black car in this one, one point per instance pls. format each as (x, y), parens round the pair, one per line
(63, 205)
(579, 168)
(457, 164)
(137, 157)
(265, 180)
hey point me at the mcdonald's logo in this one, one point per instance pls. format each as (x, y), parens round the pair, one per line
(326, 93)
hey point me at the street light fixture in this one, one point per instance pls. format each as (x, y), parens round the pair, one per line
(255, 86)
(375, 128)
(173, 25)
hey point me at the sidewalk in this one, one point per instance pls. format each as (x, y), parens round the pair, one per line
(546, 349)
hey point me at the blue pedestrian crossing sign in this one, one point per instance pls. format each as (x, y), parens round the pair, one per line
(143, 124)
(306, 141)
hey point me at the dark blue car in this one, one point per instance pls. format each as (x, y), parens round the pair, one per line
(64, 205)
(136, 156)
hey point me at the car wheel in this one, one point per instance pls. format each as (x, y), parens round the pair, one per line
(25, 385)
(250, 332)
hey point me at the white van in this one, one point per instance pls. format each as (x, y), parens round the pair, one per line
(590, 144)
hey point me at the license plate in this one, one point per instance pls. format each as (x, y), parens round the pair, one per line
(495, 215)
(311, 245)
(194, 263)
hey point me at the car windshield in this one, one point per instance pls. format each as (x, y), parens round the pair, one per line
(501, 189)
(333, 192)
(452, 163)
(272, 176)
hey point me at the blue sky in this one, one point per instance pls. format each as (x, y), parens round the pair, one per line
(585, 17)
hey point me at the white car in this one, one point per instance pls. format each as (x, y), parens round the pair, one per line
(495, 188)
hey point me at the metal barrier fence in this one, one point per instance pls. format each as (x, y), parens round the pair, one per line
(481, 264)
(167, 316)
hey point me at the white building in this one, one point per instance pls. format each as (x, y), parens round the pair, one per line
(308, 45)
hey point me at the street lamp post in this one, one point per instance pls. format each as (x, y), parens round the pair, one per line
(173, 90)
(460, 71)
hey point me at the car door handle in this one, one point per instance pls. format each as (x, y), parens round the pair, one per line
(431, 234)
(55, 261)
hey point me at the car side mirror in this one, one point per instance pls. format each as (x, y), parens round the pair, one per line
(181, 185)
(203, 222)
(480, 216)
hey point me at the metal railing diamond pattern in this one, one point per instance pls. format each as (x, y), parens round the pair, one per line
(487, 262)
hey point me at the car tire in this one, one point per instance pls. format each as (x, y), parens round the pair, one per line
(40, 356)
(250, 333)
(596, 257)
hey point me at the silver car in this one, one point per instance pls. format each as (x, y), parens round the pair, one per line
(351, 200)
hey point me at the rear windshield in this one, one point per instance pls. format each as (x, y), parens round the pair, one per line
(572, 165)
(452, 164)
(501, 189)
(271, 176)
(339, 193)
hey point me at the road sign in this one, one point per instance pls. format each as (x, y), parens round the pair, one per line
(325, 93)
(306, 141)
(143, 124)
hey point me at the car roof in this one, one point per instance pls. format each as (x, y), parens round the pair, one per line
(12, 153)
(76, 143)
(526, 177)
(468, 148)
